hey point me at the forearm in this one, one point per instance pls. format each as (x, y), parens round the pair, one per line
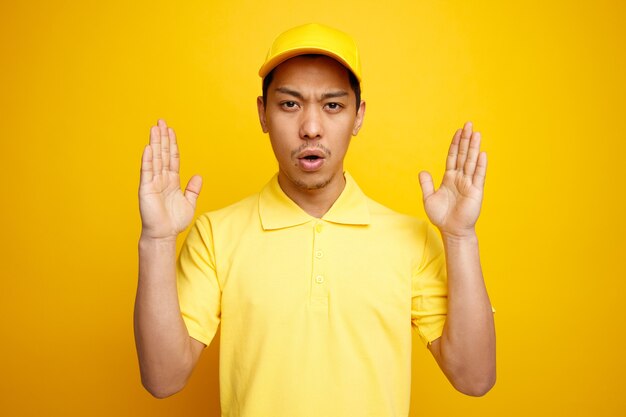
(467, 344)
(162, 340)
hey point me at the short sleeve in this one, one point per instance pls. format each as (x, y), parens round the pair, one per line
(429, 288)
(199, 292)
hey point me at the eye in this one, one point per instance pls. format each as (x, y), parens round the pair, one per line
(289, 105)
(333, 107)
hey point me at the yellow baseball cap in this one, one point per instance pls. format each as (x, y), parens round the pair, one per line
(313, 38)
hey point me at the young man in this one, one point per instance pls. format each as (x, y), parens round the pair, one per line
(316, 286)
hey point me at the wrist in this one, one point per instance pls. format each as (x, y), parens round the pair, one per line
(468, 235)
(146, 239)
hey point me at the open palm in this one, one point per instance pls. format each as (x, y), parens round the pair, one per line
(165, 210)
(454, 208)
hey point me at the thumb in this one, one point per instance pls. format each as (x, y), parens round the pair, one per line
(426, 183)
(192, 191)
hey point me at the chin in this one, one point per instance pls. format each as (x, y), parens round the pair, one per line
(316, 182)
(318, 186)
(312, 184)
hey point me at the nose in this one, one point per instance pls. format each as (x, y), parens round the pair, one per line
(311, 124)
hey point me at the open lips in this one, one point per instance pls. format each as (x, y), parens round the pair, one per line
(311, 159)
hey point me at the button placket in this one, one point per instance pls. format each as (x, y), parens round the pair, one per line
(319, 280)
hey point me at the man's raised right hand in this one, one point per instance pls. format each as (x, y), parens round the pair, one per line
(165, 210)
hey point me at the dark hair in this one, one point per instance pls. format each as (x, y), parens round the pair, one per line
(354, 83)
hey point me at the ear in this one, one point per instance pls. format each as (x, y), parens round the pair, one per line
(358, 122)
(262, 117)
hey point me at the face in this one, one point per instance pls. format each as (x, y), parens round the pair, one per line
(310, 116)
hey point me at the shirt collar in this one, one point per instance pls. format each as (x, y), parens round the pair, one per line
(278, 211)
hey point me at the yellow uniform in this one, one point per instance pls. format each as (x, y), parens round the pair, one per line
(315, 314)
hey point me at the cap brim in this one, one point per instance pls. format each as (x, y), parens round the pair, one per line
(291, 53)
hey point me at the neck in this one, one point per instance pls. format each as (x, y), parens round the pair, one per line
(314, 202)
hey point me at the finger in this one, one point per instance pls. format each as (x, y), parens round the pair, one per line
(472, 154)
(165, 145)
(481, 170)
(155, 144)
(464, 145)
(426, 183)
(146, 165)
(192, 191)
(453, 151)
(162, 127)
(174, 155)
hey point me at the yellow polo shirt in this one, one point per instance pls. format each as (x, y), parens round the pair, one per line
(315, 314)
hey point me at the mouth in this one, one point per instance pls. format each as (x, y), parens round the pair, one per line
(311, 160)
(311, 154)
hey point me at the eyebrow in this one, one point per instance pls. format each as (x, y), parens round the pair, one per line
(297, 94)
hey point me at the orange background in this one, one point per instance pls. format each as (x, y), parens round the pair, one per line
(83, 81)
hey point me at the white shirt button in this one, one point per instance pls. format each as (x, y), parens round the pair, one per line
(319, 279)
